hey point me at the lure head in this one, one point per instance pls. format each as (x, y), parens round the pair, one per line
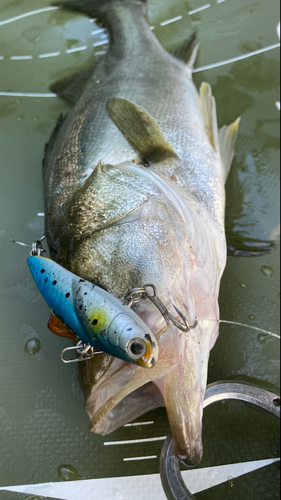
(113, 327)
(134, 337)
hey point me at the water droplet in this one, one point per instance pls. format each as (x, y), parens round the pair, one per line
(251, 317)
(32, 346)
(267, 271)
(68, 473)
(243, 285)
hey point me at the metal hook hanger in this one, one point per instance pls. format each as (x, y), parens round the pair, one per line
(172, 481)
(83, 351)
(36, 247)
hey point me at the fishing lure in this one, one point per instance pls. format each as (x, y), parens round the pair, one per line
(82, 309)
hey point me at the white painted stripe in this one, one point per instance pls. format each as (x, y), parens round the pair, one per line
(238, 58)
(151, 27)
(169, 21)
(98, 44)
(278, 105)
(199, 9)
(20, 58)
(27, 94)
(220, 1)
(76, 49)
(139, 423)
(100, 52)
(27, 14)
(1, 58)
(138, 487)
(135, 459)
(134, 441)
(50, 54)
(96, 32)
(40, 214)
(278, 30)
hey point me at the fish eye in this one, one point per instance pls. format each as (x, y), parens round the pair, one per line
(136, 348)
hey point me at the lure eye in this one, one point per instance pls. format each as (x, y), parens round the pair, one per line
(136, 348)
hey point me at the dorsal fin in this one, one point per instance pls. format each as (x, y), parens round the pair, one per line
(227, 139)
(208, 108)
(187, 51)
(73, 86)
(140, 130)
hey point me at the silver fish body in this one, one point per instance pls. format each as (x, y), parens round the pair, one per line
(134, 191)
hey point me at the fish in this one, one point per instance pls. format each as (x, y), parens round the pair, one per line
(134, 183)
(82, 309)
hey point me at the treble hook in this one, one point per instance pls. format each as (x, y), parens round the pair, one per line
(137, 294)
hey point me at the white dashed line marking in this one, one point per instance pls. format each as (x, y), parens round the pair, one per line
(220, 1)
(98, 44)
(1, 58)
(27, 14)
(41, 214)
(134, 441)
(100, 30)
(134, 424)
(27, 94)
(169, 21)
(100, 52)
(238, 58)
(138, 458)
(20, 58)
(76, 49)
(50, 54)
(199, 9)
(278, 105)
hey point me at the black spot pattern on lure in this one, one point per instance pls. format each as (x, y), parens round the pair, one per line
(81, 281)
(129, 329)
(95, 322)
(85, 293)
(80, 307)
(46, 279)
(67, 295)
(148, 337)
(54, 282)
(42, 271)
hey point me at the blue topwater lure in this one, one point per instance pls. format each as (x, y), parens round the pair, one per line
(82, 309)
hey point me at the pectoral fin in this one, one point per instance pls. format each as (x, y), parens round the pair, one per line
(140, 130)
(57, 326)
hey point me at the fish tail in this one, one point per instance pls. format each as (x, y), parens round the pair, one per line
(98, 8)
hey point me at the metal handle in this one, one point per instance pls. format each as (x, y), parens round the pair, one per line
(172, 481)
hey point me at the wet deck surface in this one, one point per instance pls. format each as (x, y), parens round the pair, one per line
(44, 432)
